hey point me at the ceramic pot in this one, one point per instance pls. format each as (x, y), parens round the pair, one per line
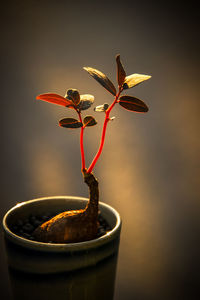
(83, 270)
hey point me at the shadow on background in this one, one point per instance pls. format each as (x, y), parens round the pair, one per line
(149, 170)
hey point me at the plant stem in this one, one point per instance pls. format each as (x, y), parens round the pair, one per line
(81, 142)
(107, 119)
(93, 203)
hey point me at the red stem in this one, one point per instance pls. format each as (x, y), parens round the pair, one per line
(107, 118)
(81, 142)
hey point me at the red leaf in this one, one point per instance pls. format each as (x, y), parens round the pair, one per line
(133, 104)
(55, 99)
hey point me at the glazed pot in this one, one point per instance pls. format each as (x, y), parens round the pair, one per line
(83, 270)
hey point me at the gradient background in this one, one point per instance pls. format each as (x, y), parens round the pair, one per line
(149, 169)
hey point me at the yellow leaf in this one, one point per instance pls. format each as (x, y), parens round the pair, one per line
(134, 79)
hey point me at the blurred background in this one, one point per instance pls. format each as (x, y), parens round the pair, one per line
(149, 169)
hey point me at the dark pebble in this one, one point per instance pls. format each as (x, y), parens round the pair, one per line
(107, 228)
(28, 227)
(102, 231)
(37, 223)
(100, 227)
(15, 228)
(26, 235)
(100, 217)
(32, 219)
(19, 223)
(45, 217)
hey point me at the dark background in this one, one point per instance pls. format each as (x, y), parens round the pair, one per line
(149, 169)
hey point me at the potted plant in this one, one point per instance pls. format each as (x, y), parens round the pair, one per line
(63, 234)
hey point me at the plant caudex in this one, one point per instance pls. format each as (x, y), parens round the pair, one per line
(81, 225)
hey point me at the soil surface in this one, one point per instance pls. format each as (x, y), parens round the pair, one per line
(25, 228)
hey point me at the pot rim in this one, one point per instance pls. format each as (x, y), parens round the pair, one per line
(35, 245)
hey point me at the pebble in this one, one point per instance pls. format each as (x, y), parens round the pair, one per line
(19, 223)
(28, 228)
(45, 218)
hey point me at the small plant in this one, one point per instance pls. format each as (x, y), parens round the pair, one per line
(81, 225)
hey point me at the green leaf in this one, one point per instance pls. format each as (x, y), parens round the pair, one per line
(102, 79)
(73, 94)
(89, 121)
(134, 79)
(70, 123)
(85, 101)
(133, 104)
(121, 74)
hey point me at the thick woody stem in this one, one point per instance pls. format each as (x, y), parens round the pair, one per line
(75, 225)
(93, 203)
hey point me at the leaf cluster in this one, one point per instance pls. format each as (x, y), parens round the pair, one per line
(73, 100)
(124, 82)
